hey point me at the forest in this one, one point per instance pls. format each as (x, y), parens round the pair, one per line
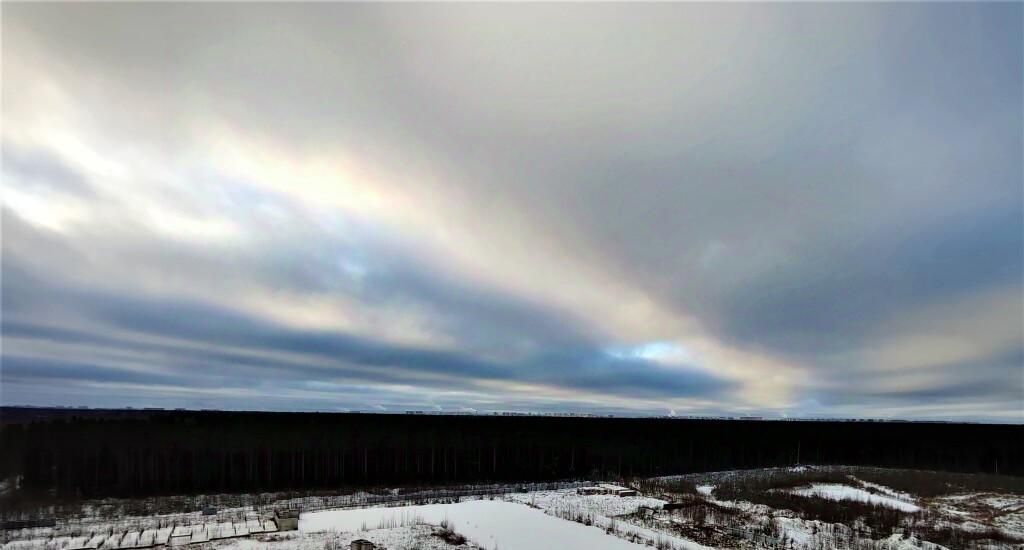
(69, 453)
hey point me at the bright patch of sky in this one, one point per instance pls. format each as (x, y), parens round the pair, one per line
(766, 209)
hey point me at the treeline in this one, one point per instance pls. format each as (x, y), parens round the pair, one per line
(72, 454)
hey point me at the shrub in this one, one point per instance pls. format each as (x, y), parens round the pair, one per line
(446, 533)
(952, 537)
(926, 484)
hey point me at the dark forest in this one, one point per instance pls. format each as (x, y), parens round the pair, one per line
(70, 453)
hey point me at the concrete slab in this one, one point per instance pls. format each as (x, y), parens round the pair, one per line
(162, 534)
(130, 540)
(225, 529)
(199, 534)
(114, 540)
(147, 537)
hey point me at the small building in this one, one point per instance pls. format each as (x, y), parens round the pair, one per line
(362, 544)
(619, 490)
(286, 520)
(607, 489)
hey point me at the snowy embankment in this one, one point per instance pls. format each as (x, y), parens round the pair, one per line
(601, 511)
(564, 503)
(417, 537)
(489, 523)
(835, 491)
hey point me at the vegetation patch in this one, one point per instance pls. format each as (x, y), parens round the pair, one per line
(449, 535)
(928, 484)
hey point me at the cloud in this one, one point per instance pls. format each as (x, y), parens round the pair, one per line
(199, 345)
(42, 170)
(833, 298)
(752, 207)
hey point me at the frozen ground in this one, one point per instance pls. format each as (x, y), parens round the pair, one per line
(602, 511)
(569, 501)
(489, 523)
(804, 508)
(411, 537)
(960, 519)
(835, 491)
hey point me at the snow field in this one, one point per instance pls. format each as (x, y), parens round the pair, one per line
(489, 523)
(835, 491)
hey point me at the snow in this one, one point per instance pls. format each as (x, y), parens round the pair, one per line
(796, 530)
(835, 491)
(1003, 511)
(656, 537)
(130, 540)
(600, 511)
(490, 523)
(162, 534)
(605, 505)
(886, 490)
(416, 537)
(706, 490)
(536, 518)
(1002, 502)
(897, 542)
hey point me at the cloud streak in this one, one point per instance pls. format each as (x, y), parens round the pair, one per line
(818, 206)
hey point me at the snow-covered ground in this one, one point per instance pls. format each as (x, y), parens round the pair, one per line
(703, 519)
(489, 523)
(835, 491)
(601, 511)
(1005, 512)
(411, 537)
(885, 490)
(605, 505)
(980, 515)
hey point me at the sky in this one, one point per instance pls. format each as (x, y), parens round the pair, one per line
(785, 210)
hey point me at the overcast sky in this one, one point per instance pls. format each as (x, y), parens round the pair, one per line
(782, 210)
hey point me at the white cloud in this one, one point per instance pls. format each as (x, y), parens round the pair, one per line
(695, 189)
